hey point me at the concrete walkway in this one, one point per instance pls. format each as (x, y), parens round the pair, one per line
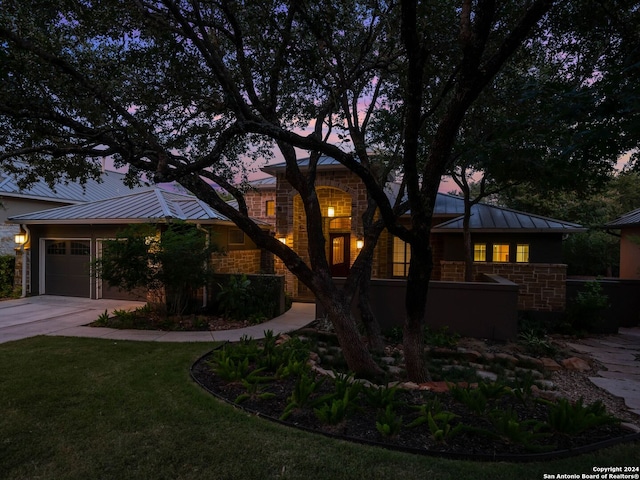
(68, 316)
(620, 357)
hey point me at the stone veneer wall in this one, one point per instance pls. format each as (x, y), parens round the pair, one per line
(542, 286)
(236, 261)
(257, 204)
(17, 276)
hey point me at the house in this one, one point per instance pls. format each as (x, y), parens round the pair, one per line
(629, 226)
(62, 242)
(40, 196)
(522, 248)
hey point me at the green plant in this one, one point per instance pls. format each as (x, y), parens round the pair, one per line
(440, 426)
(335, 410)
(228, 367)
(535, 343)
(301, 396)
(473, 398)
(511, 429)
(388, 423)
(569, 418)
(440, 337)
(103, 318)
(585, 312)
(234, 298)
(7, 271)
(381, 396)
(255, 391)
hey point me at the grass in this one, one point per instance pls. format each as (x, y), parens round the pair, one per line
(73, 408)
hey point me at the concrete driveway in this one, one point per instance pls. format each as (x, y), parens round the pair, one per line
(48, 314)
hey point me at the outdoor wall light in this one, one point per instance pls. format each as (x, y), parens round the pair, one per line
(359, 244)
(20, 238)
(282, 240)
(331, 212)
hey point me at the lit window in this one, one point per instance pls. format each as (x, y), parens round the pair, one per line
(401, 257)
(479, 252)
(270, 208)
(236, 236)
(501, 252)
(522, 253)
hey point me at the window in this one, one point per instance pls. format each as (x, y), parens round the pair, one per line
(479, 252)
(501, 252)
(236, 236)
(270, 208)
(522, 253)
(401, 258)
(58, 248)
(79, 248)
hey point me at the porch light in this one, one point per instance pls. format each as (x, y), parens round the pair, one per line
(359, 244)
(331, 212)
(282, 240)
(20, 238)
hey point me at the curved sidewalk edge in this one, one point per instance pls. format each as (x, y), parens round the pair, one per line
(298, 316)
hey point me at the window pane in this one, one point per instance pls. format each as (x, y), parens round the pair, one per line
(79, 248)
(480, 252)
(501, 252)
(58, 248)
(236, 236)
(338, 250)
(270, 208)
(401, 258)
(522, 253)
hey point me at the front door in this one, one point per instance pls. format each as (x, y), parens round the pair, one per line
(339, 258)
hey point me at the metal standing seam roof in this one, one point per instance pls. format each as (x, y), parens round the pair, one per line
(153, 205)
(629, 219)
(489, 218)
(112, 185)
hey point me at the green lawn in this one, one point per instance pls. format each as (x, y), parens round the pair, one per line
(74, 408)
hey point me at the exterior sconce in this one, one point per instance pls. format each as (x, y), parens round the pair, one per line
(20, 238)
(331, 212)
(282, 240)
(359, 244)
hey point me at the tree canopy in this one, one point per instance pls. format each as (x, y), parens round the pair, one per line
(184, 90)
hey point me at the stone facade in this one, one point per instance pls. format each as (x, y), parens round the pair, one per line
(237, 261)
(257, 204)
(542, 287)
(17, 277)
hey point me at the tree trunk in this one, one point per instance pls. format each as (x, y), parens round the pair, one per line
(369, 321)
(355, 351)
(416, 300)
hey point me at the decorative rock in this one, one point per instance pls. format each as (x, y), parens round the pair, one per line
(575, 363)
(393, 370)
(388, 360)
(547, 384)
(437, 387)
(534, 373)
(283, 338)
(506, 358)
(527, 361)
(545, 394)
(470, 355)
(492, 377)
(550, 364)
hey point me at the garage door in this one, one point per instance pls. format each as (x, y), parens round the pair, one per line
(67, 268)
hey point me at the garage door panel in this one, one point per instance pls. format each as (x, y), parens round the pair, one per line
(68, 267)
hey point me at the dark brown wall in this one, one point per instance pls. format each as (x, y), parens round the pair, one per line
(478, 309)
(543, 247)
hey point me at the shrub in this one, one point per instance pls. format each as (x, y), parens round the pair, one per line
(585, 313)
(7, 269)
(176, 261)
(255, 299)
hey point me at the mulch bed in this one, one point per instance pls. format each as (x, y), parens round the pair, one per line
(473, 442)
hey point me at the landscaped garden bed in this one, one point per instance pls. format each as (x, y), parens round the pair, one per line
(512, 414)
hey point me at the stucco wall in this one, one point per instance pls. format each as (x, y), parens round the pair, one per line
(630, 253)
